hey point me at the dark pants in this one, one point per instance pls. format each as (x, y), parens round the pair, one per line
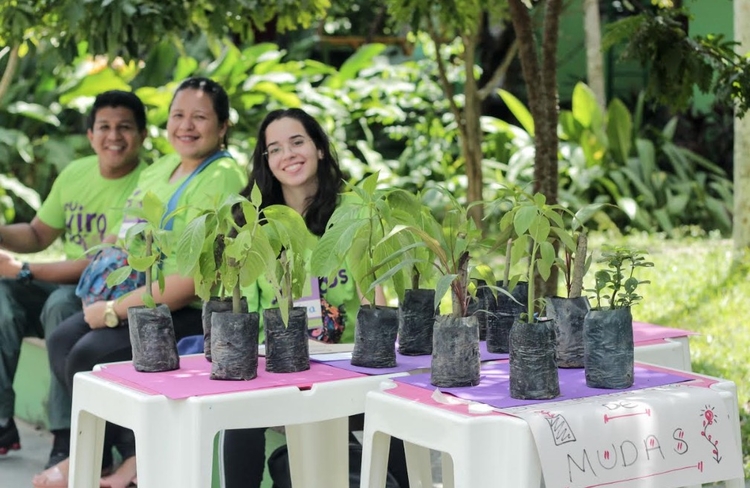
(74, 347)
(33, 310)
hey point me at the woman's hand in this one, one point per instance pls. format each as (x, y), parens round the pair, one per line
(94, 314)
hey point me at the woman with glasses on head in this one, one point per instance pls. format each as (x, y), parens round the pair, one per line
(295, 165)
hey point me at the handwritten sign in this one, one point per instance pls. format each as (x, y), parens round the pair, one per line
(674, 435)
(311, 302)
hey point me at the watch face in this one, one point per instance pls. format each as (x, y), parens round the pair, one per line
(110, 318)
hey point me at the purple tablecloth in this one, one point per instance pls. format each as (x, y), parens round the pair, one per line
(494, 386)
(407, 363)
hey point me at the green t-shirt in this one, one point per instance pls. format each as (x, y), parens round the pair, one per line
(339, 300)
(86, 205)
(206, 190)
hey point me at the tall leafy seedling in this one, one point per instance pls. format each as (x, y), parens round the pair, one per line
(148, 243)
(535, 226)
(354, 239)
(287, 349)
(416, 303)
(608, 327)
(455, 356)
(225, 256)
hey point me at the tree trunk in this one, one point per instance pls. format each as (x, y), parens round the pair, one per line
(594, 65)
(472, 136)
(545, 170)
(541, 85)
(10, 71)
(741, 219)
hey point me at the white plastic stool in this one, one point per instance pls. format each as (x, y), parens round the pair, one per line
(174, 438)
(487, 449)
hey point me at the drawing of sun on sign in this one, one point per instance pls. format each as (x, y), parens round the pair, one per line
(562, 433)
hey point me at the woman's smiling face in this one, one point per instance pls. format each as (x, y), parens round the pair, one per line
(291, 154)
(193, 127)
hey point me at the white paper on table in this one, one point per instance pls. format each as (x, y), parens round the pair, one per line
(675, 435)
(334, 356)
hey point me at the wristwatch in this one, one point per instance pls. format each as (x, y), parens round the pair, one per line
(110, 317)
(24, 276)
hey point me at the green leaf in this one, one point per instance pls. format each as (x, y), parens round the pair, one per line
(361, 59)
(619, 130)
(523, 219)
(118, 276)
(329, 253)
(142, 263)
(370, 183)
(585, 107)
(34, 111)
(519, 111)
(190, 245)
(442, 287)
(153, 209)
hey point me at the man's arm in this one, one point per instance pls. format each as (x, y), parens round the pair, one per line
(54, 272)
(27, 238)
(34, 237)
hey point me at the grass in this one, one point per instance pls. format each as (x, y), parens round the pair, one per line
(695, 286)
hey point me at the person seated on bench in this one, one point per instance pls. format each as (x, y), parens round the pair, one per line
(196, 128)
(84, 205)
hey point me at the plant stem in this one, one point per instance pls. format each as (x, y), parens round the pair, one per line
(414, 278)
(149, 275)
(506, 274)
(579, 265)
(236, 298)
(459, 285)
(532, 277)
(286, 280)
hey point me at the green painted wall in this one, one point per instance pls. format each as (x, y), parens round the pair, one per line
(710, 17)
(627, 77)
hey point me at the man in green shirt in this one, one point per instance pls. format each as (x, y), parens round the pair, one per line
(84, 205)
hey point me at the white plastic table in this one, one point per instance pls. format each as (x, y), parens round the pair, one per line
(174, 438)
(673, 352)
(485, 449)
(663, 346)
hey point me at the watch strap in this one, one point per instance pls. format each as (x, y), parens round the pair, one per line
(24, 276)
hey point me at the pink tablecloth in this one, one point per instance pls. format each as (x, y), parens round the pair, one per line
(192, 379)
(644, 333)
